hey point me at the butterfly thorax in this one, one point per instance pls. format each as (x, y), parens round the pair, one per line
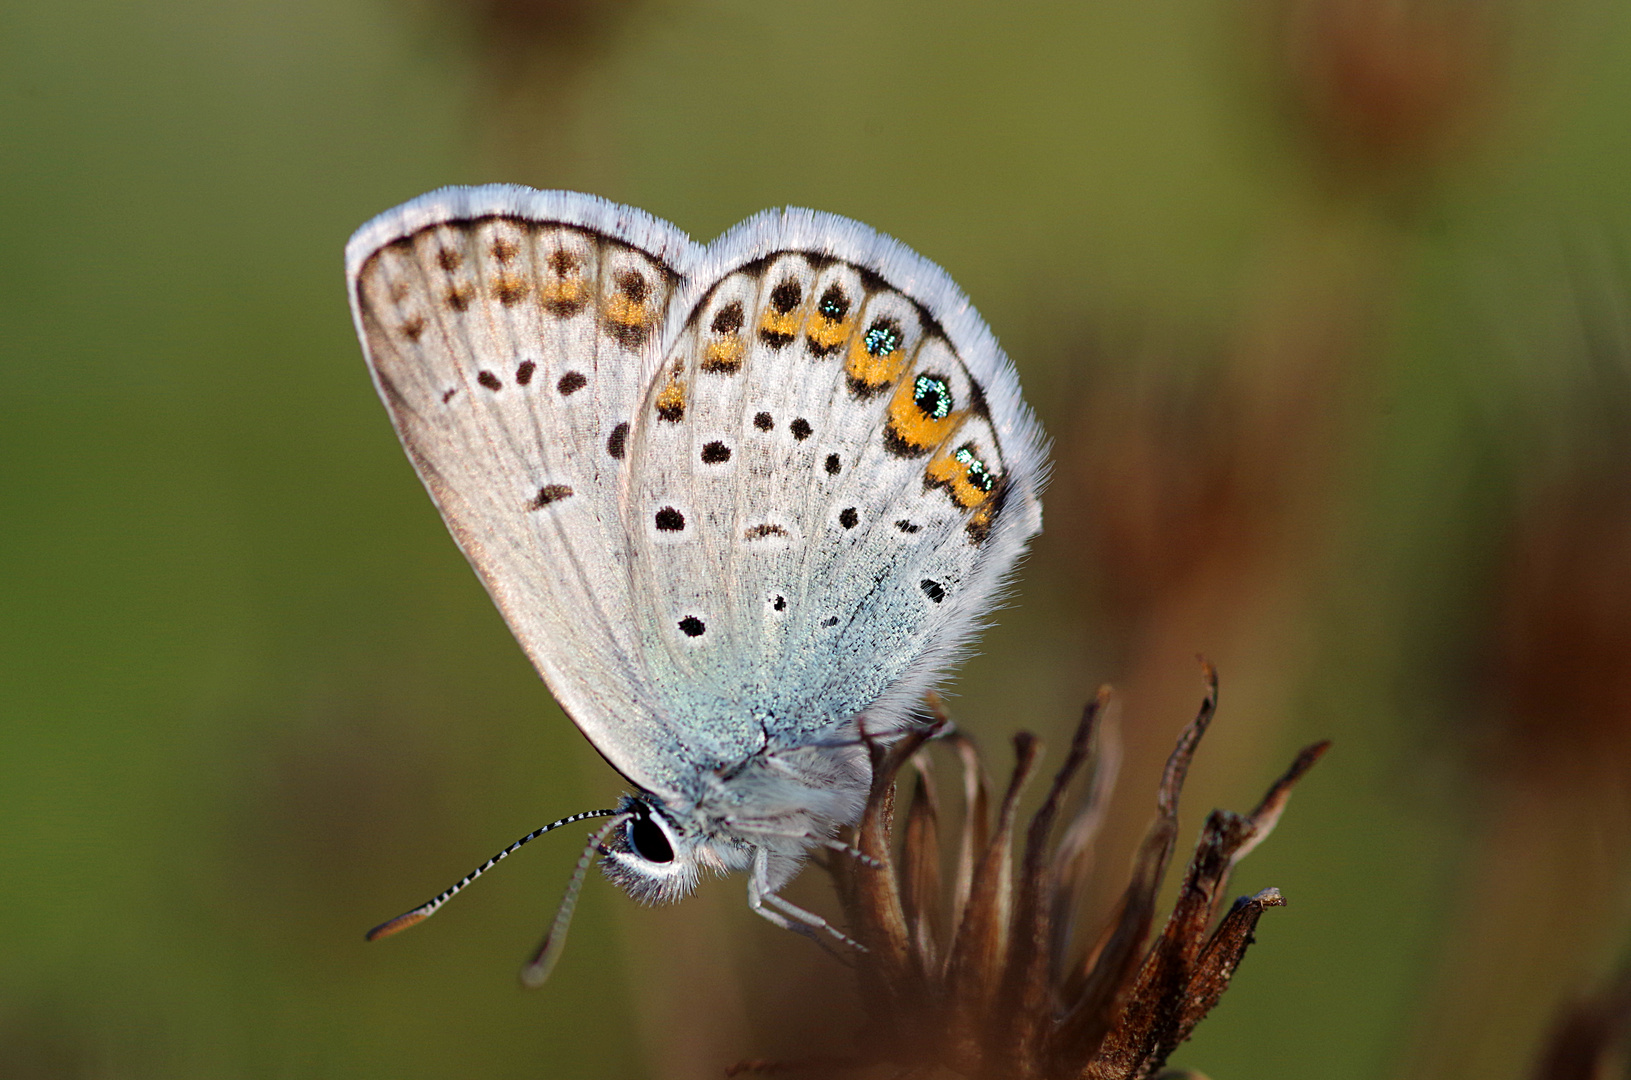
(772, 806)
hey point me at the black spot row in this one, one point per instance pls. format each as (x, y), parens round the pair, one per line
(670, 520)
(692, 626)
(715, 453)
(570, 383)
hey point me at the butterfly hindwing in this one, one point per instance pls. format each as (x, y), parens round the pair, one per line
(831, 475)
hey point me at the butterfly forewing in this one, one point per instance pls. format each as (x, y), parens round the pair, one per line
(509, 352)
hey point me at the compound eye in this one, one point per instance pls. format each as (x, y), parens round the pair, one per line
(646, 837)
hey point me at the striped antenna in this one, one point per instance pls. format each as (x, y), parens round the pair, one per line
(549, 950)
(427, 909)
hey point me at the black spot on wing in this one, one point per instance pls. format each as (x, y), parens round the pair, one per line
(550, 493)
(632, 284)
(786, 296)
(728, 320)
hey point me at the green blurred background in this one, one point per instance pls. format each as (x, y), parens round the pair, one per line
(1326, 304)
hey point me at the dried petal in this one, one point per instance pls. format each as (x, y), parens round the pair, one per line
(976, 822)
(1026, 1001)
(1115, 959)
(920, 872)
(974, 967)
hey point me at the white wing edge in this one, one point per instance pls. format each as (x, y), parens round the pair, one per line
(626, 223)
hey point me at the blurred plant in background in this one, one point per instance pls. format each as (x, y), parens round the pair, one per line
(1388, 89)
(1544, 718)
(536, 61)
(1209, 473)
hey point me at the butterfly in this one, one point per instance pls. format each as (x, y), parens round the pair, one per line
(742, 504)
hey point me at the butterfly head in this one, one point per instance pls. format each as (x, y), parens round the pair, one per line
(657, 856)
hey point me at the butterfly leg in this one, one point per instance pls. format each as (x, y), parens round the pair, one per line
(816, 840)
(787, 915)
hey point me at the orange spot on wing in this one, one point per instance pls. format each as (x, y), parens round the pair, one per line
(827, 334)
(564, 295)
(508, 289)
(724, 354)
(781, 327)
(958, 478)
(671, 402)
(910, 429)
(870, 374)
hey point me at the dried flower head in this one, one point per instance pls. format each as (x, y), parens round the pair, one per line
(989, 976)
